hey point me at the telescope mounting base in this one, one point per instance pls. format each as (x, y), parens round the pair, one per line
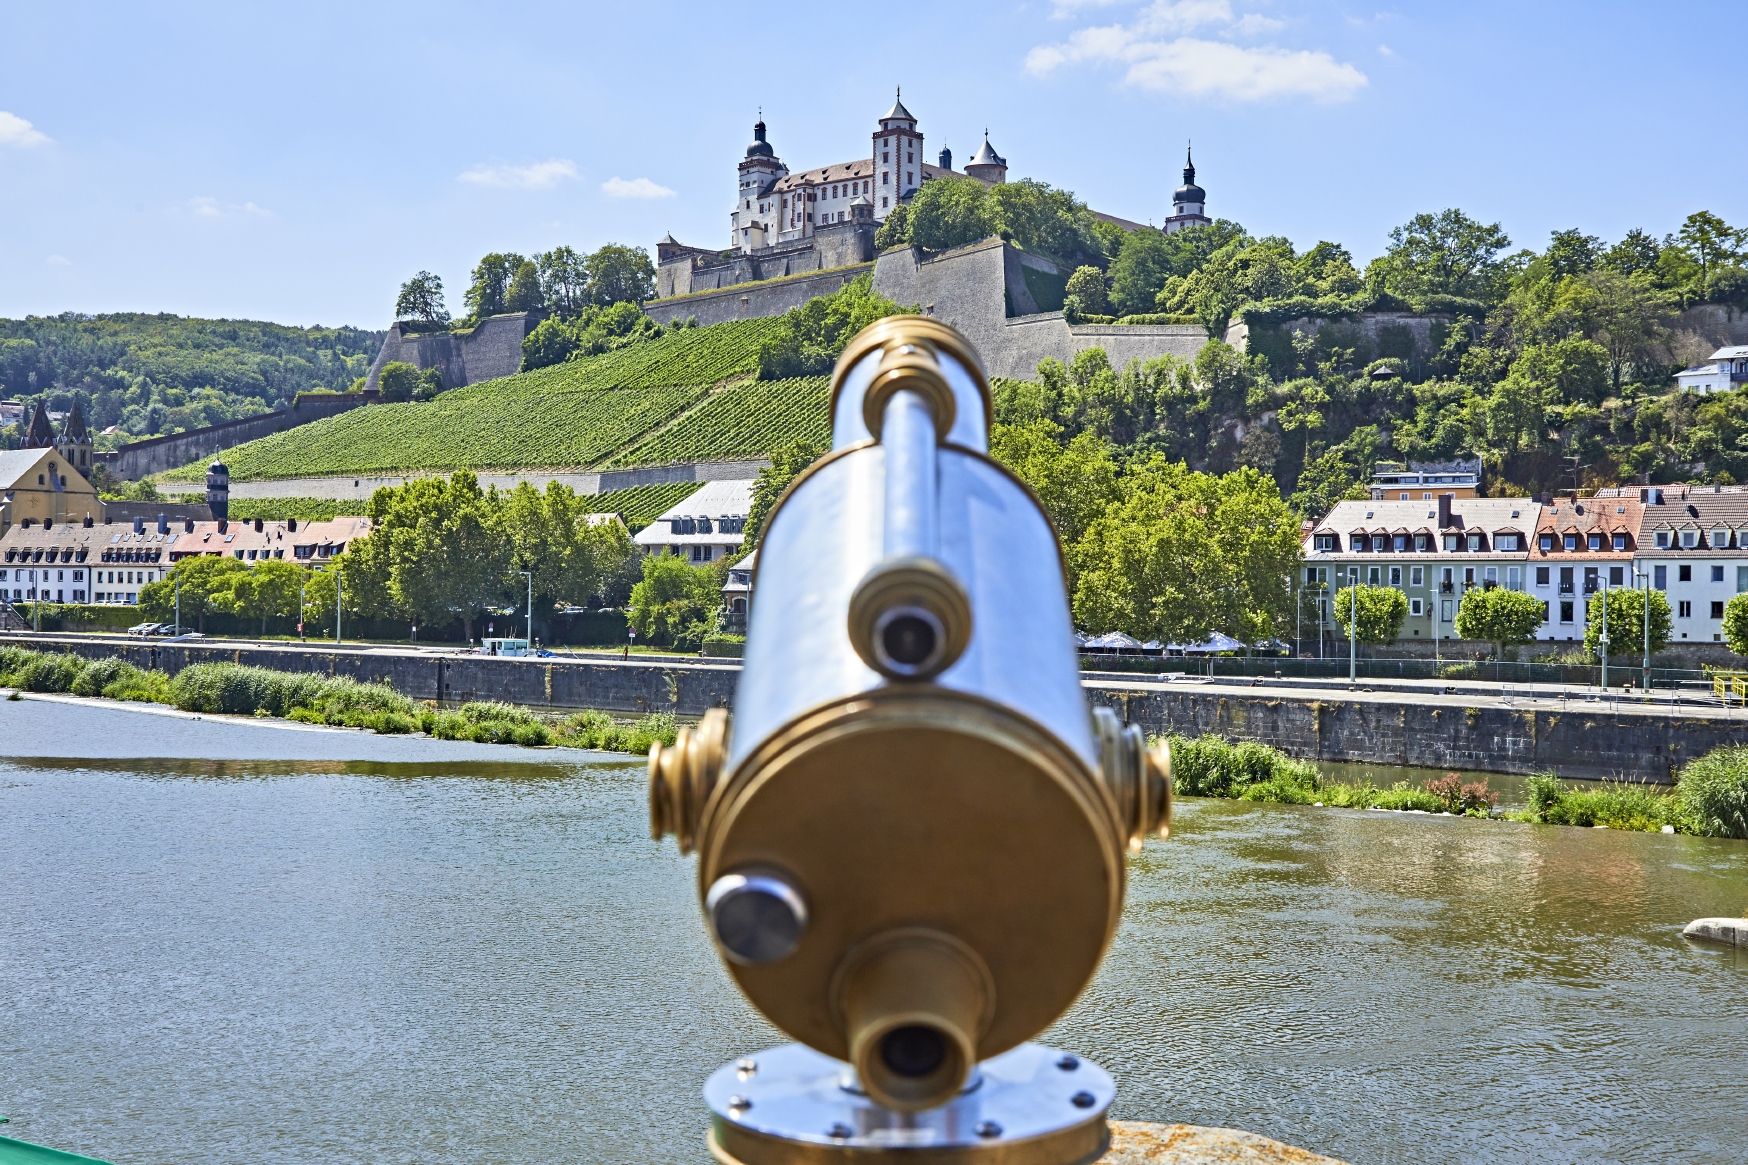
(1031, 1105)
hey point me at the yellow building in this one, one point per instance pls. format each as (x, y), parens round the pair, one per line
(38, 485)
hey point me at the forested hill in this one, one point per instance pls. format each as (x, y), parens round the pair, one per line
(152, 374)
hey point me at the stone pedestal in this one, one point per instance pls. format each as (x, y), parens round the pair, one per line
(1142, 1143)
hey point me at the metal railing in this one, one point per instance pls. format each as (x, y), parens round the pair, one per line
(1621, 675)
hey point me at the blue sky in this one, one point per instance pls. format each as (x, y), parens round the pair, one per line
(297, 162)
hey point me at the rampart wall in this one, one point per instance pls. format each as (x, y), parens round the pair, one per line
(156, 454)
(491, 349)
(752, 300)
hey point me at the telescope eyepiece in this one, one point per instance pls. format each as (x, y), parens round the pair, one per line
(913, 1050)
(909, 641)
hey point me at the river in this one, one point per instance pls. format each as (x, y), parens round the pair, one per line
(468, 954)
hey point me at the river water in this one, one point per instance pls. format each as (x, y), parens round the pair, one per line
(466, 954)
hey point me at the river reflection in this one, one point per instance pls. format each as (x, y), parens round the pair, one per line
(418, 959)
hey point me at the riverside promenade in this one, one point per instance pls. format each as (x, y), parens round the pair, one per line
(1582, 733)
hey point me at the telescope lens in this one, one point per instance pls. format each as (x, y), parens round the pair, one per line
(913, 1050)
(909, 640)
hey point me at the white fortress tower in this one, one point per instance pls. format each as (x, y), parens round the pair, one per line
(1188, 201)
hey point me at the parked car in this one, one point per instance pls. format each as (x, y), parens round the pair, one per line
(144, 629)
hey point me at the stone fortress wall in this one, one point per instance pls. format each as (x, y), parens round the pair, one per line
(491, 349)
(157, 454)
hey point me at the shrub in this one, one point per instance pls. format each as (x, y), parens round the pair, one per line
(1456, 796)
(1211, 767)
(598, 730)
(397, 381)
(1713, 792)
(1618, 806)
(49, 673)
(147, 687)
(99, 674)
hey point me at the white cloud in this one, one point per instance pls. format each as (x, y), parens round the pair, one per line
(1386, 50)
(1161, 57)
(636, 188)
(206, 206)
(15, 131)
(1060, 9)
(539, 176)
(59, 261)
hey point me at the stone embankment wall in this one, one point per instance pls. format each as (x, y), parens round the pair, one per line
(689, 270)
(156, 454)
(491, 349)
(1582, 740)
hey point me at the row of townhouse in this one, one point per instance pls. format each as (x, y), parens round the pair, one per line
(1689, 542)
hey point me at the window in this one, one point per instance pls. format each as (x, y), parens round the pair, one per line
(1395, 576)
(1741, 578)
(1468, 577)
(1514, 578)
(1565, 580)
(1684, 573)
(1566, 611)
(1663, 540)
(1594, 542)
(1720, 539)
(1414, 607)
(1417, 576)
(1474, 542)
(1491, 577)
(1310, 576)
(1422, 542)
(1689, 539)
(1590, 583)
(1541, 576)
(1450, 541)
(1401, 542)
(1372, 574)
(1620, 541)
(1444, 610)
(1357, 542)
(1505, 542)
(1547, 543)
(1544, 612)
(1617, 575)
(1717, 574)
(1570, 542)
(1717, 609)
(1660, 577)
(1326, 542)
(1684, 609)
(1445, 583)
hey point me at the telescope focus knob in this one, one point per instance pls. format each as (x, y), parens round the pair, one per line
(683, 775)
(1138, 777)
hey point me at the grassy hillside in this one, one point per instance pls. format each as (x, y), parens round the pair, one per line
(569, 416)
(739, 421)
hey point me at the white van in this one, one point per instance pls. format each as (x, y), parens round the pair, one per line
(503, 647)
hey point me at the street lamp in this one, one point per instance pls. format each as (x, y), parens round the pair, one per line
(1602, 640)
(529, 575)
(1353, 625)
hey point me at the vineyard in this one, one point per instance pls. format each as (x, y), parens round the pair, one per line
(744, 420)
(570, 415)
(639, 505)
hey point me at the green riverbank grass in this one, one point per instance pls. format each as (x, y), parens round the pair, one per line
(238, 690)
(1710, 798)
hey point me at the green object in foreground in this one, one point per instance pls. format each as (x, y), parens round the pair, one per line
(24, 1153)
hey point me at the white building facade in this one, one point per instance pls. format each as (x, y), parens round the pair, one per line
(708, 525)
(774, 206)
(1726, 369)
(1693, 546)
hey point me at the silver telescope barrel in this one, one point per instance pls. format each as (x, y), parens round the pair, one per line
(911, 843)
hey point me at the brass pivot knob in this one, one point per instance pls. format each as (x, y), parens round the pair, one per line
(1138, 777)
(682, 776)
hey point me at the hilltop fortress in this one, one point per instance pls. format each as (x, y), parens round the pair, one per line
(793, 236)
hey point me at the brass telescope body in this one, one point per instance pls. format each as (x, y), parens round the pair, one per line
(911, 845)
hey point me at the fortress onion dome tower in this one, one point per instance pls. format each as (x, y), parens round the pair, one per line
(986, 165)
(1187, 201)
(753, 222)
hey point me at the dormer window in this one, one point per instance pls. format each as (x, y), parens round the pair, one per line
(1689, 539)
(1547, 543)
(1595, 542)
(1570, 542)
(1620, 541)
(1326, 542)
(1720, 539)
(1474, 542)
(1663, 540)
(1505, 542)
(1450, 541)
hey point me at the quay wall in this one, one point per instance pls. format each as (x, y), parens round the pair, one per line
(1595, 741)
(1590, 741)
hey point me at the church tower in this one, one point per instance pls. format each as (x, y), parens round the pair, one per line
(753, 224)
(1188, 201)
(41, 434)
(74, 442)
(898, 158)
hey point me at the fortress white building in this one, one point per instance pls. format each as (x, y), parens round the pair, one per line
(773, 206)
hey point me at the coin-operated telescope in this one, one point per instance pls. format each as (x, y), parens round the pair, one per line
(911, 846)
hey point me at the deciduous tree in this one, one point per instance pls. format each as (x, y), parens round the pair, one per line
(1499, 616)
(1374, 614)
(488, 293)
(421, 298)
(524, 293)
(620, 274)
(951, 212)
(1626, 621)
